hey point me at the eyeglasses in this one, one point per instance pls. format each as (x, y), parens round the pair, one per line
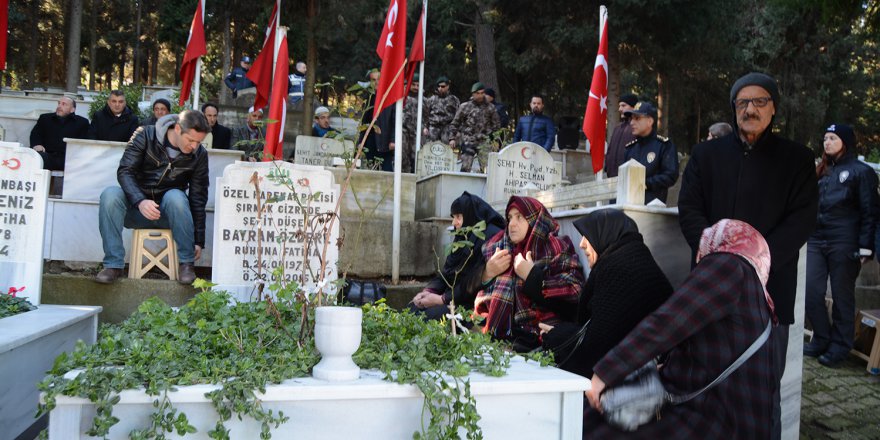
(742, 104)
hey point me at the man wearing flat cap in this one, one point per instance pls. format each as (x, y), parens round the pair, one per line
(763, 179)
(621, 136)
(473, 123)
(655, 152)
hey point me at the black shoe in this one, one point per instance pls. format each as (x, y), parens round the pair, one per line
(108, 276)
(186, 273)
(814, 350)
(832, 360)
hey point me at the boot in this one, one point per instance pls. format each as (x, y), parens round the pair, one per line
(108, 276)
(186, 273)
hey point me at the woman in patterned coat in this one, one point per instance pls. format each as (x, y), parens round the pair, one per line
(707, 323)
(531, 276)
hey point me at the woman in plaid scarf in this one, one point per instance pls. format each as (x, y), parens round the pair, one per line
(531, 276)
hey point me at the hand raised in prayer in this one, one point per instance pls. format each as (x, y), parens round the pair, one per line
(497, 264)
(522, 266)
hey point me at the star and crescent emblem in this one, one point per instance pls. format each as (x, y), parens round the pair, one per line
(8, 163)
(392, 19)
(603, 100)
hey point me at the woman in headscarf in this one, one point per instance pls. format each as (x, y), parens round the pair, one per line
(463, 267)
(720, 310)
(842, 241)
(625, 285)
(531, 276)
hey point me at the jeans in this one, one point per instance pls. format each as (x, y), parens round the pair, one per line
(115, 213)
(838, 262)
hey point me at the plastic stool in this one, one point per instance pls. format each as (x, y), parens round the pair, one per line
(137, 267)
(867, 322)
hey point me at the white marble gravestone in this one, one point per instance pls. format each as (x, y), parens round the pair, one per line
(435, 157)
(320, 151)
(519, 167)
(251, 242)
(24, 190)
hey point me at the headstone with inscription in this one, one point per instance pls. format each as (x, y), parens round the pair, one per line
(435, 157)
(24, 190)
(519, 167)
(265, 230)
(319, 151)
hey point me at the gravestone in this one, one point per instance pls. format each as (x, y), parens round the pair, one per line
(279, 228)
(320, 151)
(435, 157)
(518, 168)
(24, 190)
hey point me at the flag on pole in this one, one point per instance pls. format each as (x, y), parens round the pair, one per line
(416, 52)
(596, 114)
(4, 26)
(391, 49)
(274, 147)
(195, 47)
(261, 71)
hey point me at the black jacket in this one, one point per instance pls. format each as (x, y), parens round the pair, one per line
(222, 137)
(771, 185)
(620, 137)
(51, 130)
(106, 127)
(847, 203)
(658, 155)
(237, 80)
(147, 172)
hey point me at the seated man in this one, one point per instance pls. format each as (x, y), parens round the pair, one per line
(47, 136)
(220, 136)
(115, 121)
(161, 107)
(159, 164)
(322, 122)
(250, 137)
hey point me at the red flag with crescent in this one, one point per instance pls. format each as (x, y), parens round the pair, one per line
(392, 50)
(195, 47)
(596, 114)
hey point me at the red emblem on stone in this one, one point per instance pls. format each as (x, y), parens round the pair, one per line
(8, 164)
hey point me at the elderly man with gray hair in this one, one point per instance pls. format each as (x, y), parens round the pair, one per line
(47, 136)
(718, 130)
(322, 122)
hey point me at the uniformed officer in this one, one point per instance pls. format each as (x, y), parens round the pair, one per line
(655, 152)
(439, 110)
(473, 123)
(410, 116)
(237, 79)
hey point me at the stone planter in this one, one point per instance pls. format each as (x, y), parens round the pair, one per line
(29, 344)
(337, 337)
(529, 402)
(435, 193)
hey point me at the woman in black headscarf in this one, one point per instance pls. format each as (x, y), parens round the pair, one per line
(625, 285)
(467, 262)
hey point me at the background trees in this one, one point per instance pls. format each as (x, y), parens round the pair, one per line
(682, 54)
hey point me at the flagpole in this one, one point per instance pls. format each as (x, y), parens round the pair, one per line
(421, 91)
(398, 158)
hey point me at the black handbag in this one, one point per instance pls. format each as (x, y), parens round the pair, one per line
(359, 292)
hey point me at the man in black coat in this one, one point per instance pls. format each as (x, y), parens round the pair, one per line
(47, 137)
(655, 152)
(763, 179)
(620, 137)
(163, 184)
(220, 136)
(115, 122)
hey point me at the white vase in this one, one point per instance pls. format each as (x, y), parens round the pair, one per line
(337, 337)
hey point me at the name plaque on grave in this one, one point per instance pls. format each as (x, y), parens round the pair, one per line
(319, 151)
(435, 157)
(24, 189)
(278, 232)
(520, 165)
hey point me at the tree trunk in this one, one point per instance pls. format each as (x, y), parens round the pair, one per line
(614, 92)
(93, 43)
(136, 53)
(227, 55)
(312, 64)
(34, 37)
(662, 105)
(485, 42)
(73, 45)
(121, 65)
(154, 65)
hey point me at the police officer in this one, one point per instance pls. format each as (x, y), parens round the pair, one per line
(297, 83)
(474, 122)
(440, 109)
(237, 79)
(842, 240)
(655, 152)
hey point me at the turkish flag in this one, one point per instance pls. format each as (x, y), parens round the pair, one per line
(596, 114)
(392, 50)
(416, 51)
(261, 70)
(195, 47)
(274, 147)
(4, 25)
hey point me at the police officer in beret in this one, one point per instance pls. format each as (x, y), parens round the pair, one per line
(655, 152)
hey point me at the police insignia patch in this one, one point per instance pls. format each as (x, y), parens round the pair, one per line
(843, 176)
(651, 156)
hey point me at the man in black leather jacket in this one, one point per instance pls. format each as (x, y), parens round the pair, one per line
(159, 164)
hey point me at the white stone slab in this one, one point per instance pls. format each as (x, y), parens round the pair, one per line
(29, 344)
(518, 167)
(24, 189)
(20, 105)
(17, 128)
(319, 151)
(529, 402)
(278, 229)
(435, 157)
